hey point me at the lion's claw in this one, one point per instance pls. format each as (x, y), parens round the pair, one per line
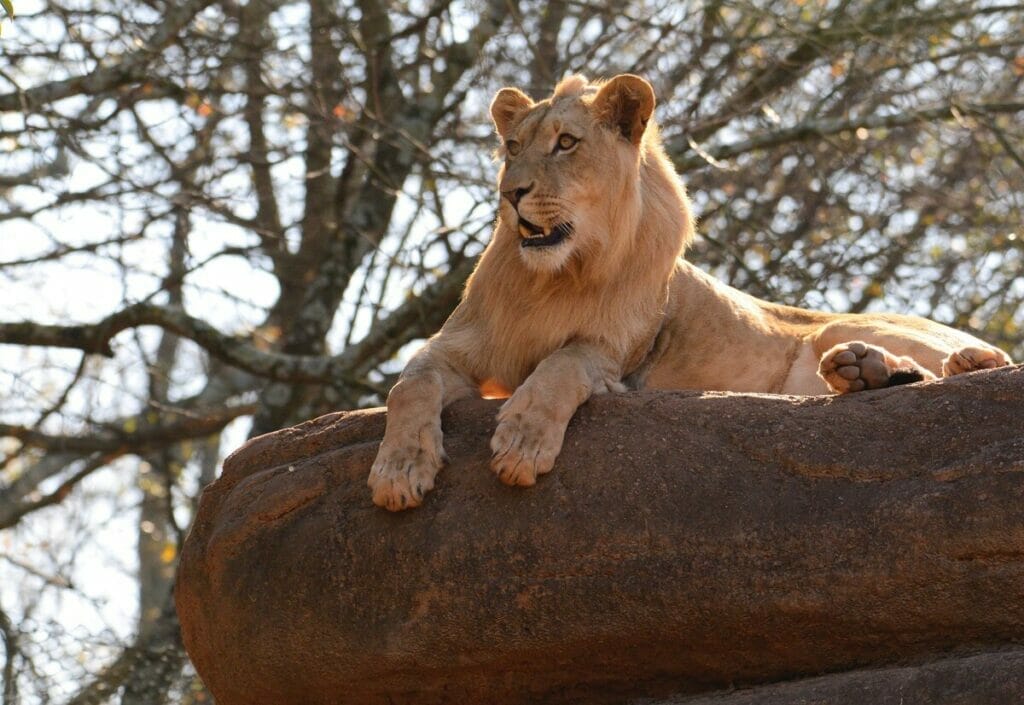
(524, 448)
(403, 474)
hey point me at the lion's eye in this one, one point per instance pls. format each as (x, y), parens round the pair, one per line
(565, 142)
(513, 147)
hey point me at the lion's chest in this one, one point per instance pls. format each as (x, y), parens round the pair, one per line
(514, 348)
(519, 338)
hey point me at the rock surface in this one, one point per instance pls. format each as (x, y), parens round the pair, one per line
(684, 543)
(983, 679)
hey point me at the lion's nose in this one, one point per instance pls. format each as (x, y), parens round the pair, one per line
(514, 196)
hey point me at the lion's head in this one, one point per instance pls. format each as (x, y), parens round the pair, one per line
(570, 182)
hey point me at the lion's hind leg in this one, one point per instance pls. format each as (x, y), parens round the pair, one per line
(855, 366)
(970, 359)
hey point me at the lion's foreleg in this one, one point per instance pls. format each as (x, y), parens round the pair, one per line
(532, 423)
(412, 451)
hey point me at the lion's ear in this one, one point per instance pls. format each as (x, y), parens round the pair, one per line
(507, 107)
(625, 104)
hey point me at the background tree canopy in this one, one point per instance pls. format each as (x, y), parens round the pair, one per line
(219, 218)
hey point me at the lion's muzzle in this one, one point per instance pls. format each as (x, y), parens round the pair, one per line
(535, 236)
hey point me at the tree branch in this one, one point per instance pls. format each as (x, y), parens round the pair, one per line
(95, 338)
(253, 20)
(159, 645)
(136, 434)
(418, 317)
(824, 40)
(131, 67)
(12, 512)
(10, 640)
(685, 160)
(64, 250)
(421, 315)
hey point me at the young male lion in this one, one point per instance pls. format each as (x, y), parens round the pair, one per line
(583, 288)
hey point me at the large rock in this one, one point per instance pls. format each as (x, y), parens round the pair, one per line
(685, 542)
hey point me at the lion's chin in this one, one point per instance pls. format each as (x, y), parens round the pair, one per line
(533, 236)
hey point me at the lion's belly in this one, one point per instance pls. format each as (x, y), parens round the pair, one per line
(726, 360)
(721, 375)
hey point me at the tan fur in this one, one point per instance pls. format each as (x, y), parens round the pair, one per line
(615, 301)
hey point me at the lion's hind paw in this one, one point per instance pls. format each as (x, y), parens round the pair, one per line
(970, 359)
(856, 366)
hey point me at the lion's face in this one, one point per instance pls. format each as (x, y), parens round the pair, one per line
(569, 179)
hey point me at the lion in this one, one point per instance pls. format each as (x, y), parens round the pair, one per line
(582, 290)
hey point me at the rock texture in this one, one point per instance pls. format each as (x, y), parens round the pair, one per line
(984, 679)
(684, 543)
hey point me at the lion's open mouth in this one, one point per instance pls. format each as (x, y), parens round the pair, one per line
(534, 235)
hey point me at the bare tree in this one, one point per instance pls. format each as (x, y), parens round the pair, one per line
(218, 219)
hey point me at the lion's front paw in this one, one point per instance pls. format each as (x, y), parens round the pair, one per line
(971, 359)
(855, 366)
(525, 445)
(402, 474)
